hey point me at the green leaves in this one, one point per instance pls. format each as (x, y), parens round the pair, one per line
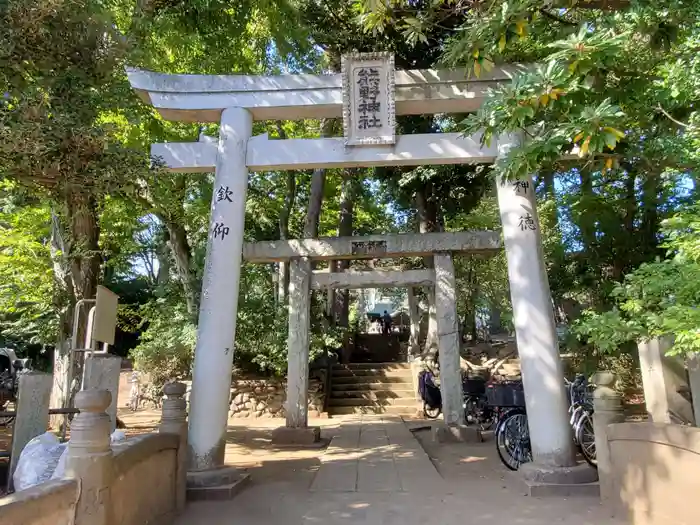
(658, 298)
(412, 30)
(26, 274)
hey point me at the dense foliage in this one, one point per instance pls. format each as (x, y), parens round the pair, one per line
(604, 98)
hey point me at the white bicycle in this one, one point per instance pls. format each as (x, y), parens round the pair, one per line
(581, 417)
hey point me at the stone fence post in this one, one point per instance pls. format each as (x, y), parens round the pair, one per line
(102, 373)
(174, 421)
(90, 458)
(607, 406)
(32, 412)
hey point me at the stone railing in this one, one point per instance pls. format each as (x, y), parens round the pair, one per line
(51, 503)
(266, 397)
(139, 481)
(648, 471)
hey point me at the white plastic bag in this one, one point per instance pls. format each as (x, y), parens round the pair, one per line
(117, 436)
(38, 461)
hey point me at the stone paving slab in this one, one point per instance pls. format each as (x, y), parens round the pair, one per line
(375, 455)
(336, 487)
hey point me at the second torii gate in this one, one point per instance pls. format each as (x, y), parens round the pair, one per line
(302, 280)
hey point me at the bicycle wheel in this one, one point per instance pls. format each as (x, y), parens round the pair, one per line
(585, 438)
(471, 415)
(6, 421)
(513, 440)
(431, 413)
(478, 412)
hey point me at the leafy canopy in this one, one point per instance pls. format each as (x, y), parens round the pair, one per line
(606, 84)
(659, 297)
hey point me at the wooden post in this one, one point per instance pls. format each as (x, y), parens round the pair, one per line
(607, 409)
(90, 458)
(174, 421)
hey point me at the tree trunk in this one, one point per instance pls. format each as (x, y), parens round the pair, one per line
(63, 296)
(587, 214)
(550, 195)
(289, 198)
(83, 264)
(651, 188)
(318, 182)
(470, 310)
(164, 261)
(283, 223)
(182, 253)
(495, 319)
(548, 177)
(427, 222)
(85, 235)
(331, 306)
(628, 240)
(345, 229)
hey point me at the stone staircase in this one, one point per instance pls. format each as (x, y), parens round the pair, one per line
(378, 348)
(372, 388)
(508, 370)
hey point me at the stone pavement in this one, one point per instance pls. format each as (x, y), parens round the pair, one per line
(376, 472)
(375, 455)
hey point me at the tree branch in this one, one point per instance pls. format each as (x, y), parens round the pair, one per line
(603, 5)
(557, 18)
(669, 117)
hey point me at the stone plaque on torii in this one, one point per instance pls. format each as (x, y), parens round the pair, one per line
(369, 113)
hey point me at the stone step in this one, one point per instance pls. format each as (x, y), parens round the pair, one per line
(510, 367)
(360, 366)
(383, 372)
(389, 409)
(373, 394)
(373, 385)
(341, 380)
(387, 401)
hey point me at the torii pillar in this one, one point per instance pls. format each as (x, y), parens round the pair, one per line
(216, 331)
(538, 346)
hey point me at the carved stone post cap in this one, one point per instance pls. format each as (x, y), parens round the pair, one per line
(93, 400)
(174, 389)
(604, 379)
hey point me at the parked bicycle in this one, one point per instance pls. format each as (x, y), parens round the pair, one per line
(581, 420)
(507, 399)
(474, 403)
(430, 394)
(512, 432)
(10, 368)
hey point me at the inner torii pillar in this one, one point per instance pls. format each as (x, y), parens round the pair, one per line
(296, 430)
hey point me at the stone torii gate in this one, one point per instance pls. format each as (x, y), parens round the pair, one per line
(367, 94)
(303, 280)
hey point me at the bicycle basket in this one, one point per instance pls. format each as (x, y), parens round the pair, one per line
(505, 394)
(475, 386)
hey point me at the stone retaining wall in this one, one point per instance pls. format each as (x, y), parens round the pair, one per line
(266, 397)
